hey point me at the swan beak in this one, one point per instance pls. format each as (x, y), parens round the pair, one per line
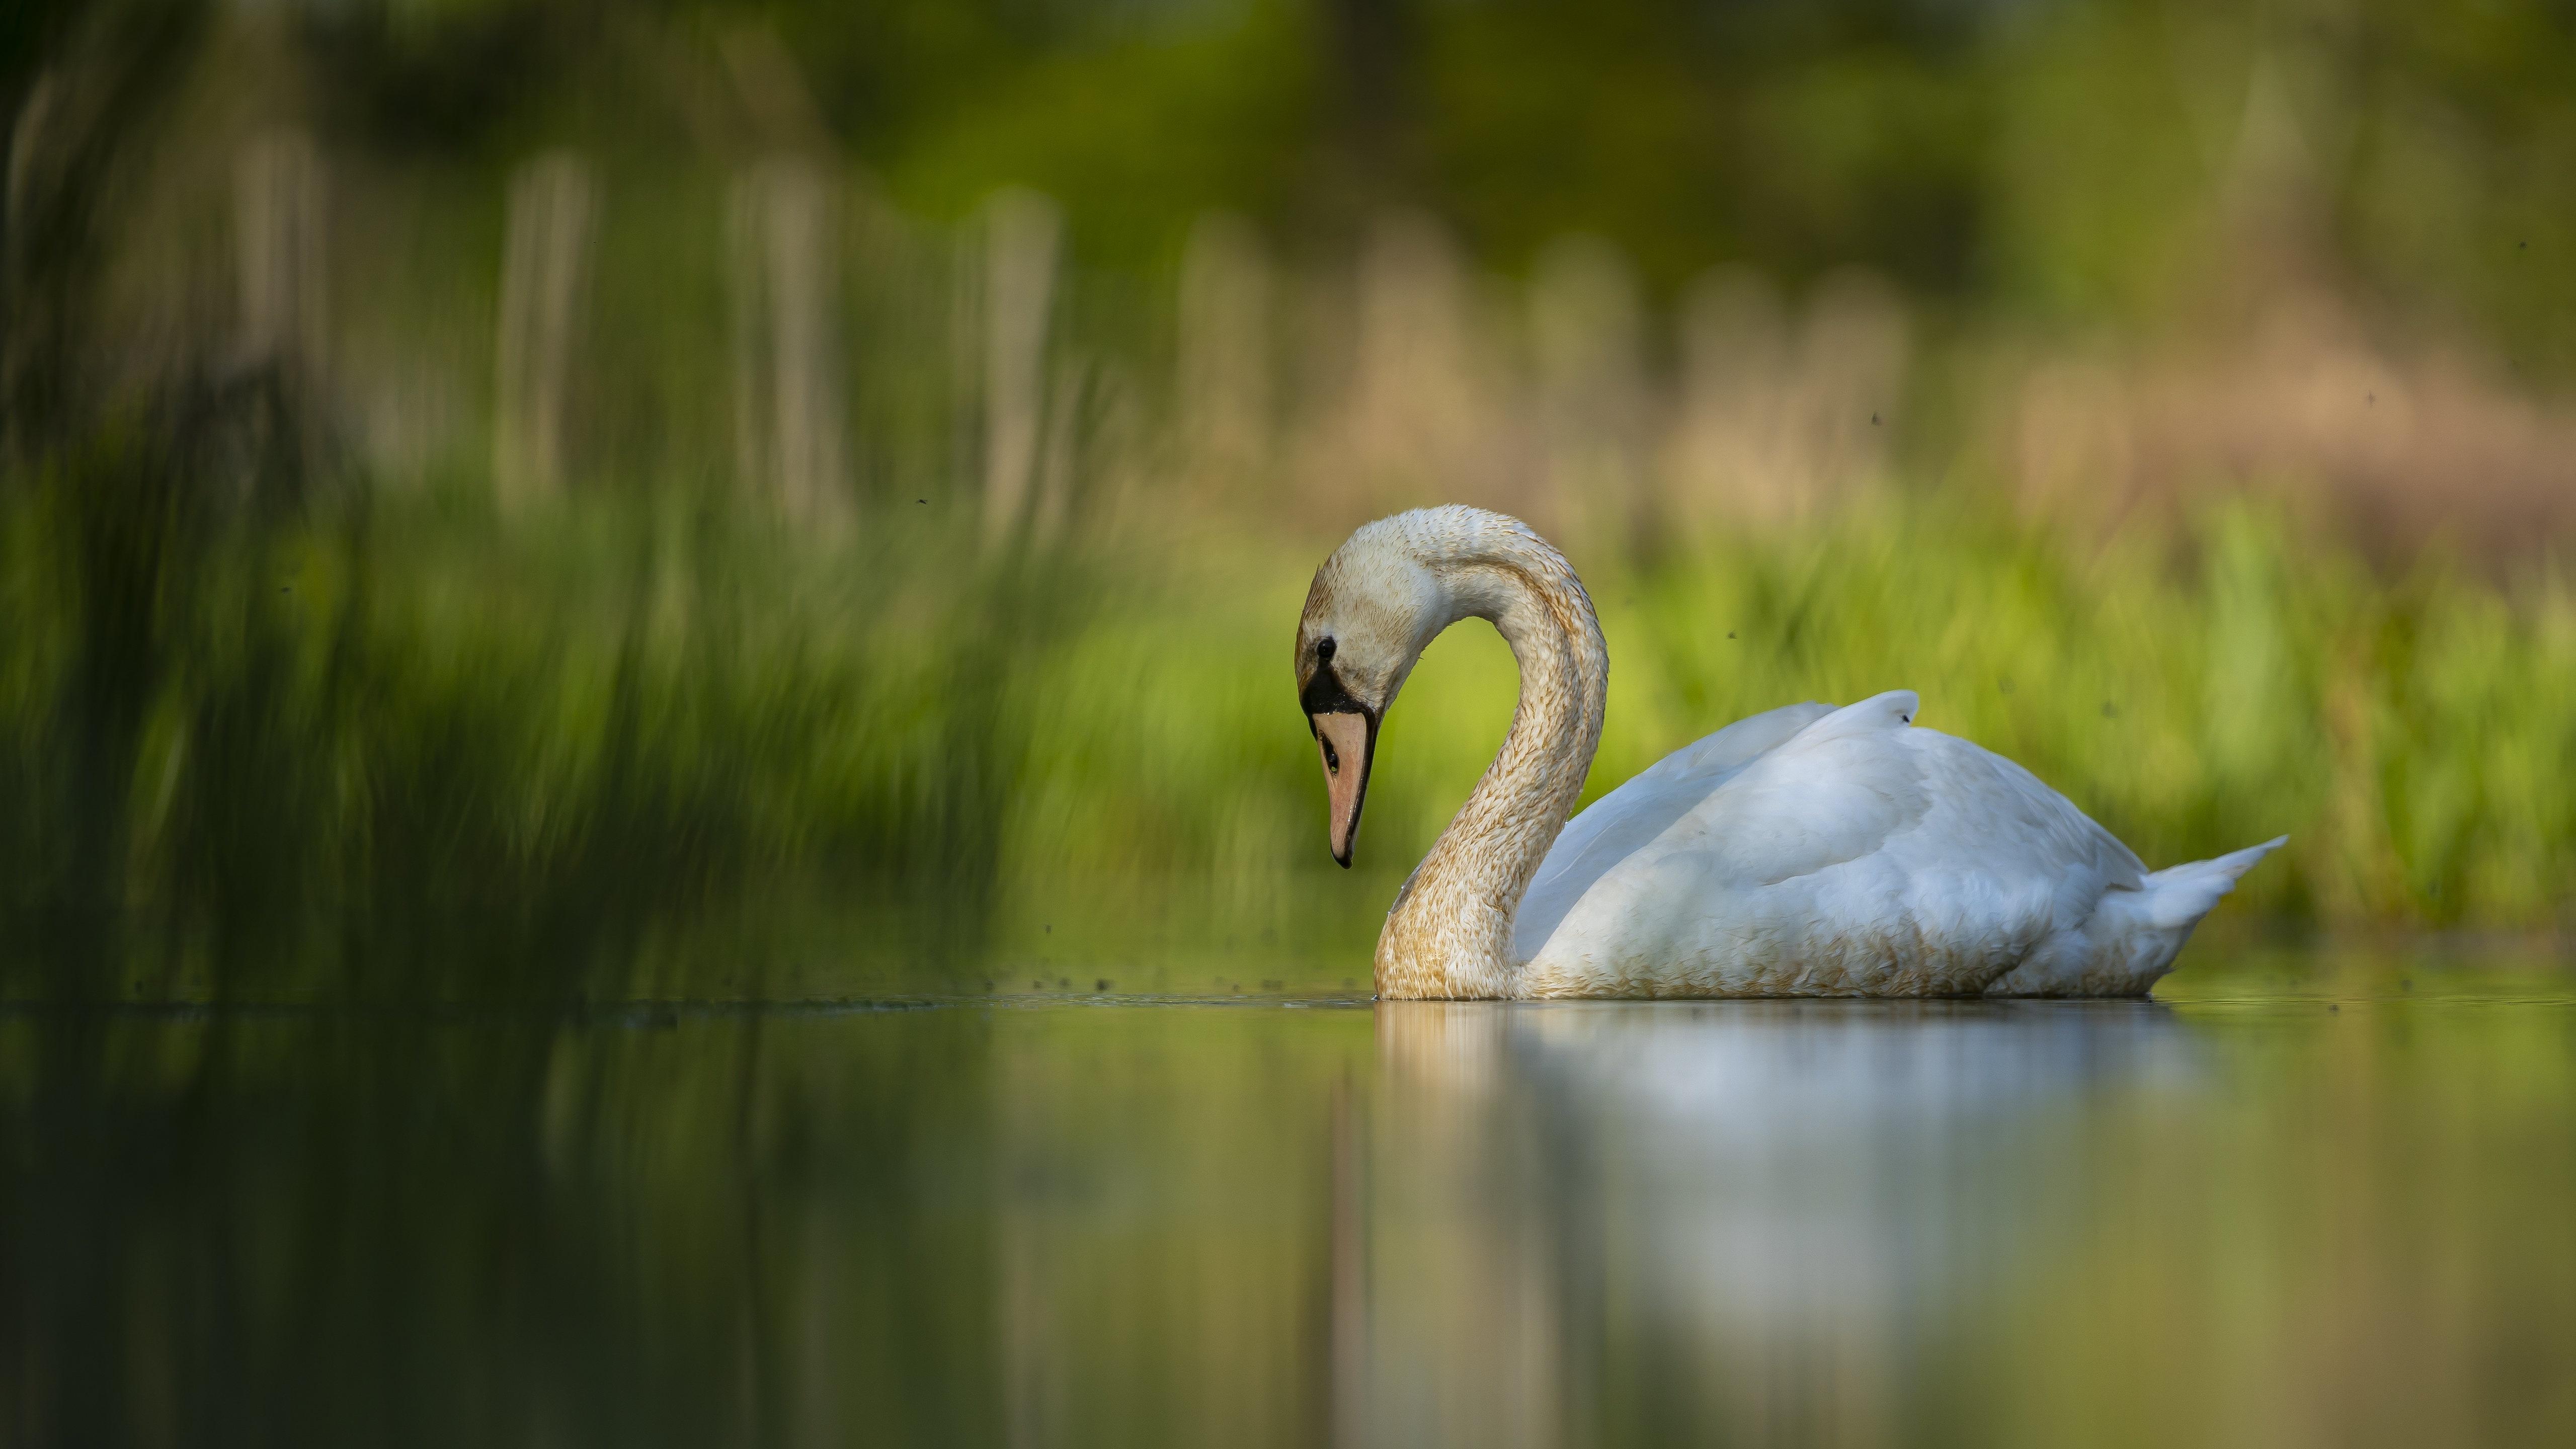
(1348, 742)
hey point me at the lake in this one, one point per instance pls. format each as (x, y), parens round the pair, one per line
(2305, 1200)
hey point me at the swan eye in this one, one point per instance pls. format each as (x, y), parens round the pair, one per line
(1324, 651)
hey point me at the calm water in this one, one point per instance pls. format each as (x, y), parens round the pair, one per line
(2335, 1207)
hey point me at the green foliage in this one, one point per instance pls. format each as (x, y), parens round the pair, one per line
(2092, 160)
(277, 723)
(408, 753)
(416, 751)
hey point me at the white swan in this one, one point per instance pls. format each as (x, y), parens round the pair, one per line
(1810, 851)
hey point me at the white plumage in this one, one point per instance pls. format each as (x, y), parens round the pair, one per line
(1806, 851)
(1822, 851)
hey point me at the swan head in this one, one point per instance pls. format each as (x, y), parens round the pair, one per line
(1375, 605)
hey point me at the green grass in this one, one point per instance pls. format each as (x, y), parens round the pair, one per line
(2197, 694)
(654, 747)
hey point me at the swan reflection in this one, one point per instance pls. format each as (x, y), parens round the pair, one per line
(1769, 1191)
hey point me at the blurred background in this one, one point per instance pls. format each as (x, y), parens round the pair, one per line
(564, 564)
(559, 500)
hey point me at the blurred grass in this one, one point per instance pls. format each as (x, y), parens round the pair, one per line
(652, 747)
(299, 702)
(406, 752)
(782, 673)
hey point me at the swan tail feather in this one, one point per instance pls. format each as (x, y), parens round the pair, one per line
(2178, 896)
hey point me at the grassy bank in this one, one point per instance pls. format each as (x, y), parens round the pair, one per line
(410, 749)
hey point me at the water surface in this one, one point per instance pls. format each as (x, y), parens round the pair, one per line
(2332, 1208)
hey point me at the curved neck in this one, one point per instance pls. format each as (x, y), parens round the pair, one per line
(1450, 933)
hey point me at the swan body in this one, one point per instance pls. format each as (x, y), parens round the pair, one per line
(1807, 851)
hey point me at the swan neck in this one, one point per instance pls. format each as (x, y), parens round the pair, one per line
(1451, 931)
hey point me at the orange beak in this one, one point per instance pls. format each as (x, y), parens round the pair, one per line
(1348, 742)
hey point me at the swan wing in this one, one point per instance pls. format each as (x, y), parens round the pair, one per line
(1619, 823)
(1858, 850)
